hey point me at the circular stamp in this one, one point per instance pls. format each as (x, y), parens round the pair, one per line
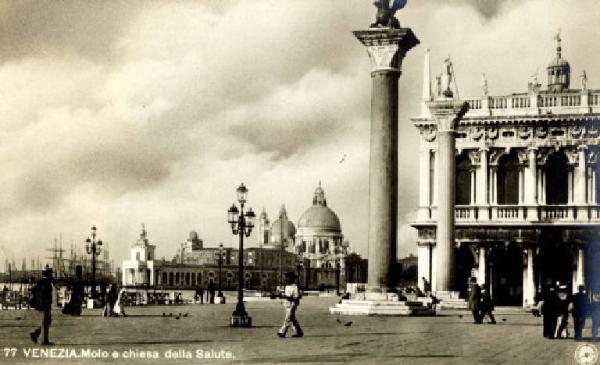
(586, 354)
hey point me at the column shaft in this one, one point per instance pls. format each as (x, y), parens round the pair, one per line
(482, 265)
(424, 185)
(446, 203)
(383, 180)
(529, 284)
(482, 190)
(580, 178)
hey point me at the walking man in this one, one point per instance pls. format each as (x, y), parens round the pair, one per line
(475, 301)
(550, 311)
(43, 298)
(486, 304)
(580, 310)
(291, 300)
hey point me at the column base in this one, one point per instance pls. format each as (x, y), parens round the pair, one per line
(240, 320)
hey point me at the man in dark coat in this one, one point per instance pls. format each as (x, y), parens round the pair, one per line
(200, 293)
(486, 304)
(550, 312)
(45, 290)
(475, 301)
(580, 310)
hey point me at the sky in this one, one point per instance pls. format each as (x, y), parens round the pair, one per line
(118, 113)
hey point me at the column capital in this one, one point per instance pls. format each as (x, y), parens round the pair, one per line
(447, 112)
(387, 46)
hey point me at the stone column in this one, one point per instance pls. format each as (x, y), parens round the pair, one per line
(424, 186)
(423, 269)
(578, 273)
(386, 48)
(528, 280)
(446, 113)
(482, 186)
(580, 178)
(481, 269)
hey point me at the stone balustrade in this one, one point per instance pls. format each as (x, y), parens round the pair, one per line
(529, 104)
(578, 214)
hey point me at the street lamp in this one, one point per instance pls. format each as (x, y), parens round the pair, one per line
(241, 225)
(93, 248)
(220, 265)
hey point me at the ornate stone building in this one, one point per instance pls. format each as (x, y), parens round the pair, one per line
(527, 195)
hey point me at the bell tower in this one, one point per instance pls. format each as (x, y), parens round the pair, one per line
(559, 70)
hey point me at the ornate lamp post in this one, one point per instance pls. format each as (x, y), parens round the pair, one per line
(93, 248)
(241, 224)
(220, 294)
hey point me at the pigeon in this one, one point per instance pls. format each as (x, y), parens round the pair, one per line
(348, 324)
(164, 314)
(177, 317)
(460, 316)
(18, 318)
(185, 314)
(503, 319)
(343, 158)
(338, 320)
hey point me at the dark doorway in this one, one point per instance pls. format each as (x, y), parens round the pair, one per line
(555, 261)
(505, 275)
(508, 180)
(557, 179)
(464, 265)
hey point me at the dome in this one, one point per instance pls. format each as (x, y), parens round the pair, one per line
(321, 218)
(289, 231)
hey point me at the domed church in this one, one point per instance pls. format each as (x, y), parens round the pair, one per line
(319, 236)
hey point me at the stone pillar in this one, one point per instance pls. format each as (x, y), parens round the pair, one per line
(424, 178)
(481, 269)
(580, 178)
(528, 280)
(423, 268)
(386, 48)
(578, 274)
(482, 186)
(446, 113)
(530, 188)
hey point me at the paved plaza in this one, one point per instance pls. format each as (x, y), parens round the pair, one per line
(449, 338)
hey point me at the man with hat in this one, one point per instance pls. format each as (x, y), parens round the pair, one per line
(291, 297)
(44, 290)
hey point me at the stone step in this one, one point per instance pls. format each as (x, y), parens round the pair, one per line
(383, 308)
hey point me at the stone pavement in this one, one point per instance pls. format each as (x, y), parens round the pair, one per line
(450, 338)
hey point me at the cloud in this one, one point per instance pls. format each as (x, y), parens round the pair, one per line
(154, 112)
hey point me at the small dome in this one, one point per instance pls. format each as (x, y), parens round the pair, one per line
(321, 218)
(193, 236)
(289, 231)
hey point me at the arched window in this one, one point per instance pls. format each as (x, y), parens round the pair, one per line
(557, 179)
(187, 278)
(164, 278)
(171, 279)
(463, 180)
(177, 278)
(508, 180)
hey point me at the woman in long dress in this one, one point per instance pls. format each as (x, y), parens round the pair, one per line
(119, 307)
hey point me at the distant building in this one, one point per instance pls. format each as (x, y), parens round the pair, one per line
(139, 269)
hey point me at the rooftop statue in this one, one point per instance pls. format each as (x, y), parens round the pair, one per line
(386, 15)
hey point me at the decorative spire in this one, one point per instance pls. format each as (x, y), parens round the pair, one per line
(283, 213)
(558, 47)
(319, 197)
(426, 85)
(144, 234)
